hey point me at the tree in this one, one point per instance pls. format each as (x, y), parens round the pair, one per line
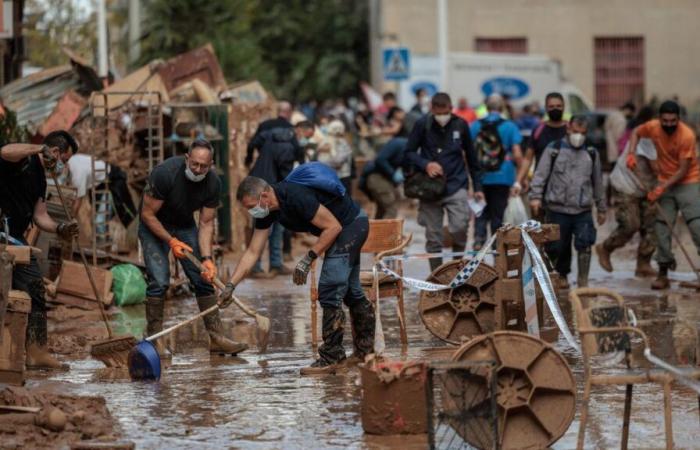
(299, 49)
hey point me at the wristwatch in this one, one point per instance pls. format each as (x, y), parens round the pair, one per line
(312, 254)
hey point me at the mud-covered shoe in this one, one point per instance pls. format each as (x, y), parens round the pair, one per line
(39, 358)
(221, 345)
(604, 258)
(661, 282)
(645, 270)
(322, 367)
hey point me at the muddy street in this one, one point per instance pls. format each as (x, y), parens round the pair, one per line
(260, 401)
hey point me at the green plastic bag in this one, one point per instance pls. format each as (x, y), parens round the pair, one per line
(129, 286)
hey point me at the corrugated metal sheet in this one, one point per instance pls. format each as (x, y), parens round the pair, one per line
(33, 98)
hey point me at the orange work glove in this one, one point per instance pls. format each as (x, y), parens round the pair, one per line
(178, 247)
(631, 161)
(209, 270)
(655, 193)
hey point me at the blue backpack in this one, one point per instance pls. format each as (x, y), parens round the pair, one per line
(317, 175)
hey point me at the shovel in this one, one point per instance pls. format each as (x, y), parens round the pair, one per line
(113, 351)
(263, 322)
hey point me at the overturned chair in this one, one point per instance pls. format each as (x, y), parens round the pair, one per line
(605, 332)
(385, 238)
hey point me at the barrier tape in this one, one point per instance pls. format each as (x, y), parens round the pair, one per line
(539, 268)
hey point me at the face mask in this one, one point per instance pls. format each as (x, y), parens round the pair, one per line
(555, 114)
(304, 142)
(669, 129)
(258, 212)
(577, 139)
(60, 167)
(442, 119)
(192, 177)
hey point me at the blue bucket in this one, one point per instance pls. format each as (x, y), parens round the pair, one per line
(144, 362)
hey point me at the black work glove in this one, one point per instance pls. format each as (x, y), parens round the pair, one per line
(301, 271)
(50, 161)
(67, 230)
(226, 296)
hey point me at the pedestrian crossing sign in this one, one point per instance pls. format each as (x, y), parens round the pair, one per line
(396, 63)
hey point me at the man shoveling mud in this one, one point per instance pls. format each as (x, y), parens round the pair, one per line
(23, 201)
(342, 228)
(177, 188)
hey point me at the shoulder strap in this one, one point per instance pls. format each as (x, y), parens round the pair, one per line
(538, 131)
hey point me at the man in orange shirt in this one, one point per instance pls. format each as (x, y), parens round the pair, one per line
(678, 176)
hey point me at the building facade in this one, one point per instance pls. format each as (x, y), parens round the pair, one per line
(613, 50)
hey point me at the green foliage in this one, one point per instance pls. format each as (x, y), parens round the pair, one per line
(9, 130)
(299, 49)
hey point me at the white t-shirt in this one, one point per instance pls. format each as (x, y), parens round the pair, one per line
(80, 169)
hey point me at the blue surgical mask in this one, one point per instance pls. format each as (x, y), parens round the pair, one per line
(258, 212)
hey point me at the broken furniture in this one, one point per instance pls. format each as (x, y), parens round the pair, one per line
(491, 299)
(456, 410)
(535, 390)
(385, 238)
(72, 288)
(14, 314)
(605, 332)
(393, 397)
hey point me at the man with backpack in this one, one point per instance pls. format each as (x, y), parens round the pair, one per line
(437, 174)
(497, 145)
(312, 199)
(569, 181)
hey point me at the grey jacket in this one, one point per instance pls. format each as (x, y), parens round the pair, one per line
(575, 181)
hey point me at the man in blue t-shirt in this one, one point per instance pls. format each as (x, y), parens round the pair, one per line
(497, 144)
(342, 228)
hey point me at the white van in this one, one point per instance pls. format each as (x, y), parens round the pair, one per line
(524, 78)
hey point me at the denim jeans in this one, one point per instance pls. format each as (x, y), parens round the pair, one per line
(578, 228)
(274, 247)
(496, 203)
(155, 255)
(340, 274)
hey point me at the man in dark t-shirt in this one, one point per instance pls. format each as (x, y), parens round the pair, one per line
(23, 202)
(177, 188)
(342, 228)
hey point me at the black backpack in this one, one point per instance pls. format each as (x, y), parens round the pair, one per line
(488, 145)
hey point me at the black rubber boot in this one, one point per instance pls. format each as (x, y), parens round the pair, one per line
(661, 281)
(363, 320)
(584, 267)
(218, 343)
(154, 319)
(331, 352)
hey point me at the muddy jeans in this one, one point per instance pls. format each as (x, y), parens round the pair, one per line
(155, 256)
(27, 278)
(576, 227)
(383, 193)
(339, 283)
(633, 214)
(496, 202)
(686, 199)
(430, 215)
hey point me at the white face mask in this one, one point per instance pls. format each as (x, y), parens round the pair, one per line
(258, 212)
(192, 177)
(442, 119)
(577, 139)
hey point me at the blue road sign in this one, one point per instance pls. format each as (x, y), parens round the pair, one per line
(396, 63)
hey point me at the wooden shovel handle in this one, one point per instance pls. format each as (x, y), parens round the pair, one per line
(183, 323)
(221, 286)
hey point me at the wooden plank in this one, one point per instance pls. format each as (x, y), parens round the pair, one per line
(73, 301)
(22, 253)
(73, 280)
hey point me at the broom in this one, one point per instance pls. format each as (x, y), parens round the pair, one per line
(114, 351)
(262, 322)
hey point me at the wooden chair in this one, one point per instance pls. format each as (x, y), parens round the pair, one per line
(385, 238)
(601, 319)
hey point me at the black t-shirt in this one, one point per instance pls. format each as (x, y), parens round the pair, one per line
(181, 197)
(546, 136)
(22, 184)
(299, 204)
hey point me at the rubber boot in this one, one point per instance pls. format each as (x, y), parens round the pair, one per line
(331, 353)
(38, 357)
(644, 268)
(154, 319)
(362, 319)
(661, 281)
(604, 257)
(218, 343)
(584, 267)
